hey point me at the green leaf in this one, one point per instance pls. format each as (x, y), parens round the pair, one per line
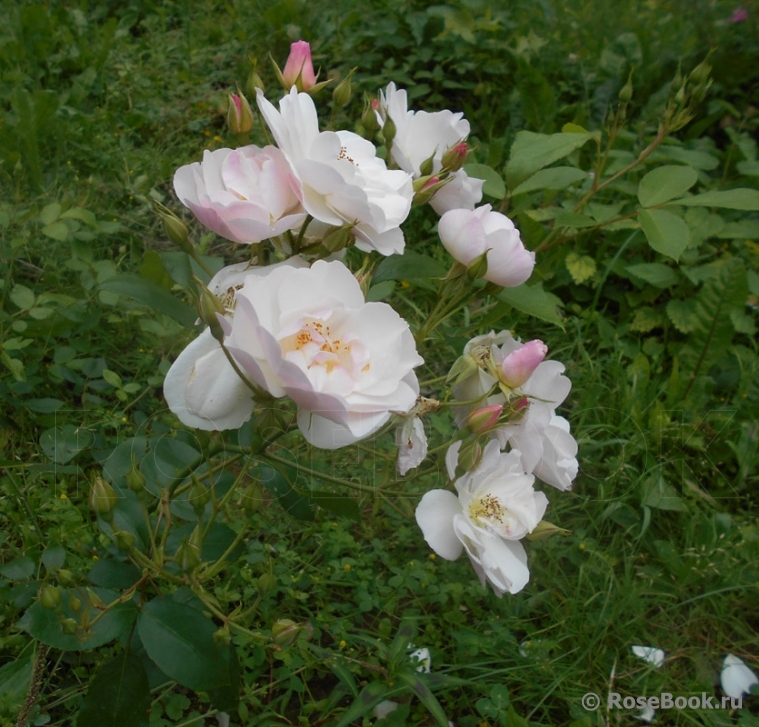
(666, 232)
(417, 685)
(78, 213)
(57, 231)
(152, 295)
(119, 695)
(530, 152)
(665, 183)
(646, 319)
(18, 569)
(693, 158)
(112, 378)
(15, 678)
(682, 313)
(180, 641)
(533, 301)
(50, 213)
(371, 695)
(62, 444)
(656, 274)
(581, 268)
(54, 557)
(380, 291)
(178, 266)
(574, 219)
(408, 266)
(515, 720)
(112, 573)
(713, 330)
(733, 199)
(22, 297)
(226, 698)
(662, 496)
(152, 269)
(494, 186)
(44, 624)
(551, 178)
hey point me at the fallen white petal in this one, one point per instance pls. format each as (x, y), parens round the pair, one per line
(736, 678)
(650, 654)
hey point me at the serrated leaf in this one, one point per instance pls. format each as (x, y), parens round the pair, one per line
(152, 295)
(581, 268)
(665, 183)
(118, 696)
(656, 274)
(22, 297)
(742, 322)
(57, 231)
(741, 198)
(531, 152)
(408, 266)
(682, 313)
(713, 330)
(646, 319)
(179, 639)
(494, 185)
(666, 232)
(533, 301)
(551, 178)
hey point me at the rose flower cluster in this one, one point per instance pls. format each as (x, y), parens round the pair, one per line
(293, 322)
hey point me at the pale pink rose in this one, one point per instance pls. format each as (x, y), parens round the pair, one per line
(467, 234)
(299, 68)
(308, 334)
(246, 195)
(519, 365)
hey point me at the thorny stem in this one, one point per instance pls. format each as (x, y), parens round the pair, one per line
(35, 686)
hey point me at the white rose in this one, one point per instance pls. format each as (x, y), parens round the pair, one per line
(420, 135)
(342, 179)
(496, 506)
(201, 387)
(308, 334)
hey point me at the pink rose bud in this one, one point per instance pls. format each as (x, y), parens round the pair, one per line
(485, 418)
(299, 69)
(239, 115)
(455, 156)
(519, 365)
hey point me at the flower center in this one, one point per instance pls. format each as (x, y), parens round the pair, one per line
(315, 345)
(344, 155)
(489, 512)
